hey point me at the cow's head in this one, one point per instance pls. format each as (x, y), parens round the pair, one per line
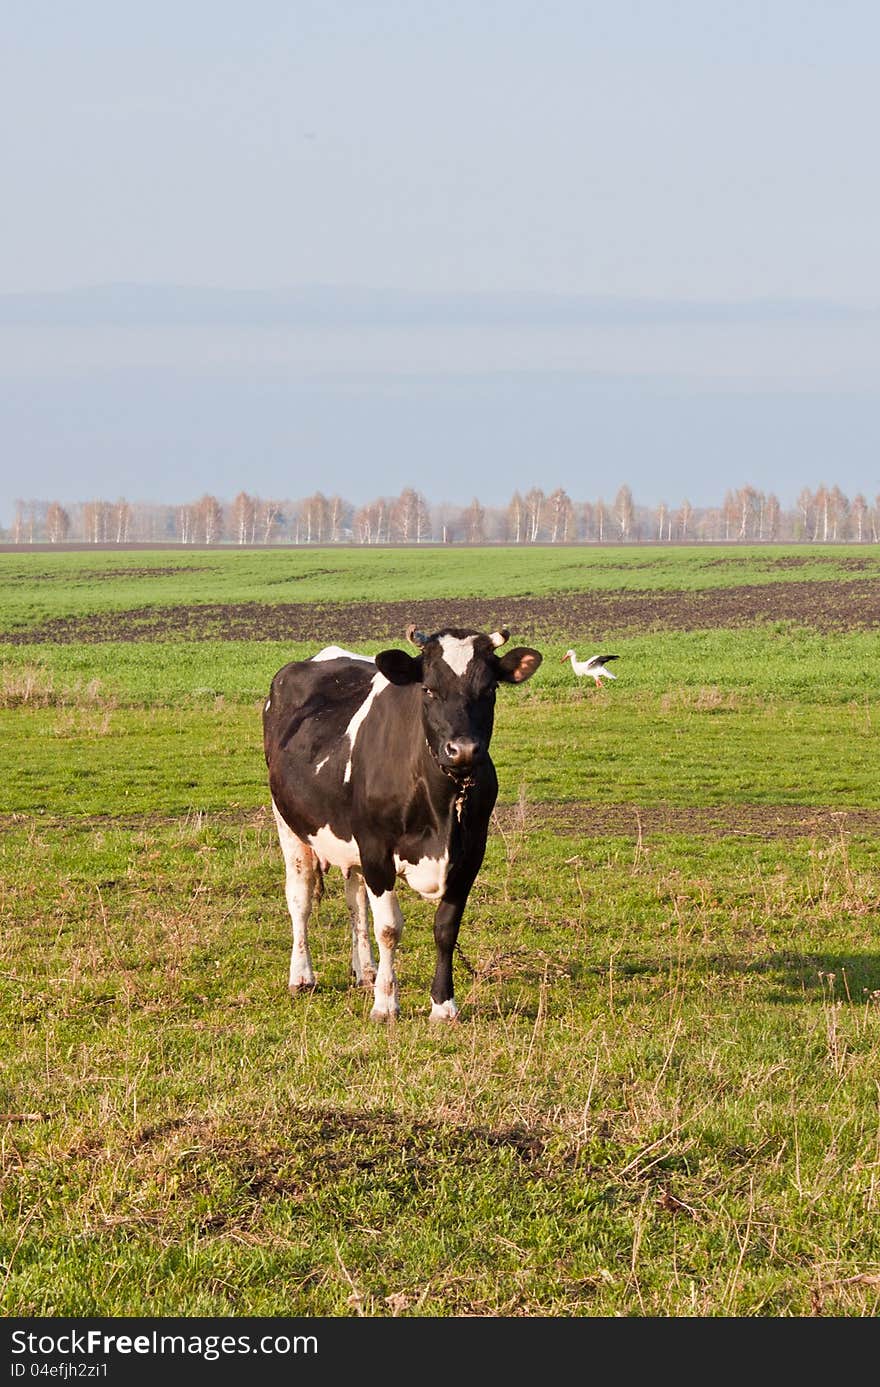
(458, 672)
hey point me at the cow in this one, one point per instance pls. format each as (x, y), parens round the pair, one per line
(381, 767)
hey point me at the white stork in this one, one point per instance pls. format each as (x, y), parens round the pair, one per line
(594, 667)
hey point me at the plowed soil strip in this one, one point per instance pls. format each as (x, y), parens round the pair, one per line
(570, 818)
(719, 821)
(823, 606)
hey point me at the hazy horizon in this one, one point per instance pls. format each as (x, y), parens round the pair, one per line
(472, 249)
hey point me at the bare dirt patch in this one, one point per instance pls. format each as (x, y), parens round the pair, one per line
(716, 821)
(796, 561)
(89, 574)
(566, 817)
(846, 605)
(169, 571)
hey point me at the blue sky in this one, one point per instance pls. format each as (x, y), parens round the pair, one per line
(465, 246)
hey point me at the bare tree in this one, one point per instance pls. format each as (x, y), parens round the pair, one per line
(122, 521)
(209, 519)
(772, 512)
(474, 519)
(362, 525)
(185, 523)
(838, 509)
(154, 522)
(96, 519)
(409, 517)
(859, 514)
(335, 512)
(370, 521)
(685, 511)
(270, 519)
(710, 523)
(443, 523)
(747, 504)
(561, 516)
(624, 512)
(823, 512)
(315, 516)
(402, 516)
(423, 519)
(244, 518)
(23, 524)
(57, 523)
(516, 518)
(662, 512)
(806, 511)
(534, 512)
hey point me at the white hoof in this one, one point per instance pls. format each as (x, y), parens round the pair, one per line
(384, 1016)
(444, 1011)
(295, 988)
(367, 980)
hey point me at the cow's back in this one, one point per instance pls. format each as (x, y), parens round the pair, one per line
(310, 705)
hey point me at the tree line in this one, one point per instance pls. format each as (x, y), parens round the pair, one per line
(747, 515)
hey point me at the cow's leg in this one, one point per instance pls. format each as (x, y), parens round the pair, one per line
(450, 910)
(388, 927)
(301, 882)
(363, 964)
(446, 923)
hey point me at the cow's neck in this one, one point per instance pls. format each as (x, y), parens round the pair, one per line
(458, 785)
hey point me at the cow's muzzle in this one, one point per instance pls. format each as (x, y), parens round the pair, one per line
(461, 753)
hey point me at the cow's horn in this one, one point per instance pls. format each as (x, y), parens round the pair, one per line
(415, 637)
(499, 637)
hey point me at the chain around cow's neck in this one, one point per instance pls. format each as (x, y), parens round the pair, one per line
(463, 783)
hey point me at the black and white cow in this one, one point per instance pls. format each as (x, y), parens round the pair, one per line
(381, 768)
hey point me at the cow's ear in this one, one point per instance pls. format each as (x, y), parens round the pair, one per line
(398, 667)
(518, 664)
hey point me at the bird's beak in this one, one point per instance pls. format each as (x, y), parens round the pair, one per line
(563, 660)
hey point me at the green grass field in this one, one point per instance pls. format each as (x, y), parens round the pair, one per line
(662, 1096)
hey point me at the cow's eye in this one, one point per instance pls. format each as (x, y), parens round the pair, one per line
(429, 693)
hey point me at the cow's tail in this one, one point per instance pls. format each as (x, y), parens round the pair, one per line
(319, 883)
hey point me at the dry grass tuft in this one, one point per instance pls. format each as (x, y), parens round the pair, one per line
(32, 686)
(706, 699)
